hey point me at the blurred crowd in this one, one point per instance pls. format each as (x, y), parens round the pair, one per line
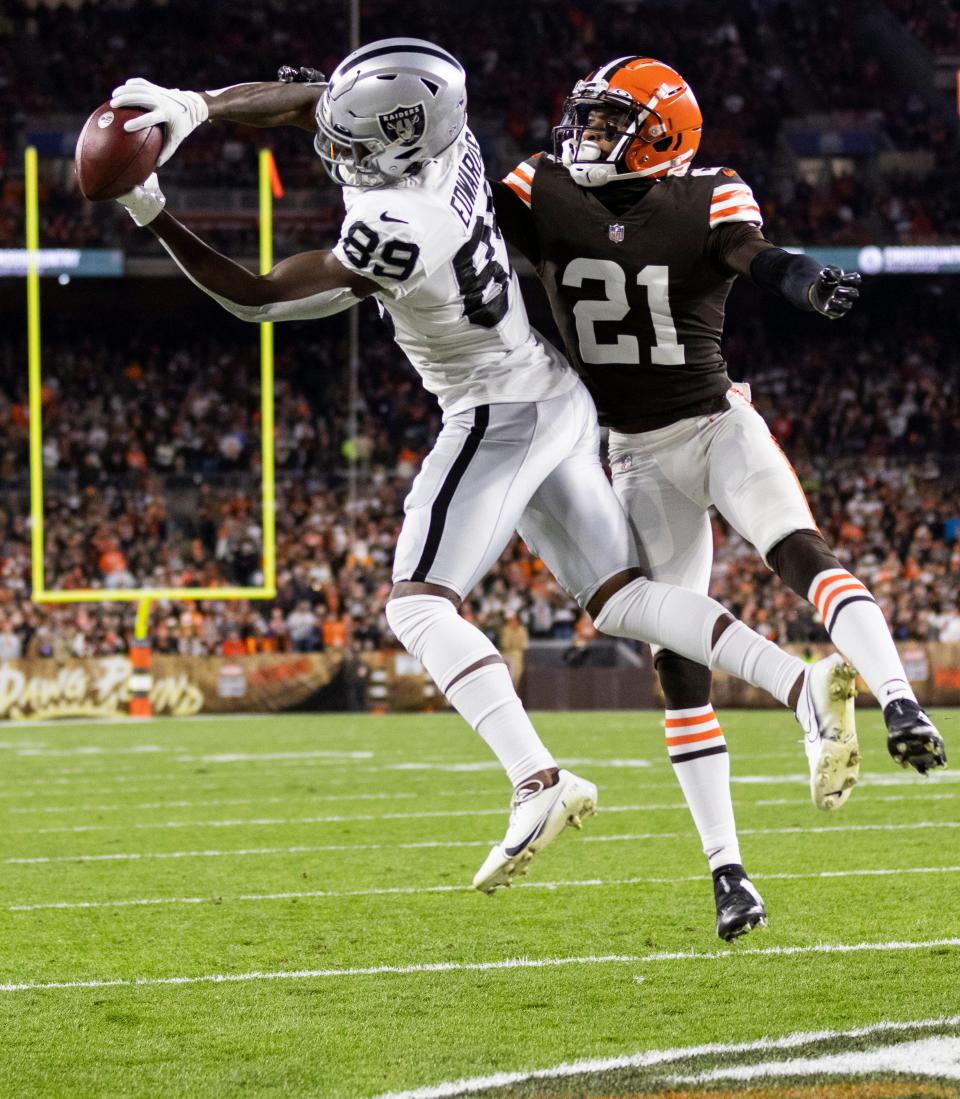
(152, 456)
(758, 69)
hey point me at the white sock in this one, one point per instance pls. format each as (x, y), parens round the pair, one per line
(430, 629)
(683, 621)
(744, 653)
(855, 623)
(698, 752)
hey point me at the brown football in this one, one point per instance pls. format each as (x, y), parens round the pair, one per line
(110, 161)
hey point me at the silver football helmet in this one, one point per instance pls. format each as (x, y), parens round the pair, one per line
(388, 108)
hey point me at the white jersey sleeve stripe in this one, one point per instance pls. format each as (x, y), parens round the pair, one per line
(726, 190)
(737, 203)
(749, 214)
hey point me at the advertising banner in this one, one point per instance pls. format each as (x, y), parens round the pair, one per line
(182, 686)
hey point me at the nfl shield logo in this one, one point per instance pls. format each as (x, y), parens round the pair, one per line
(616, 233)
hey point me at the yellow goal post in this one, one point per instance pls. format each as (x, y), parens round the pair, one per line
(145, 596)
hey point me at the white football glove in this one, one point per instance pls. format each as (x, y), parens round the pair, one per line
(145, 202)
(180, 112)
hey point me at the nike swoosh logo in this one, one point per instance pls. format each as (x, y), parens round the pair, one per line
(387, 217)
(524, 843)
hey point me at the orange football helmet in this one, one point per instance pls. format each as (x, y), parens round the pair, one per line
(644, 107)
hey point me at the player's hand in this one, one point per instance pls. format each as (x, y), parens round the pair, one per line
(180, 112)
(834, 292)
(288, 74)
(145, 202)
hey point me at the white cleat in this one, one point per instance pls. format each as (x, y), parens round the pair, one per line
(826, 715)
(535, 820)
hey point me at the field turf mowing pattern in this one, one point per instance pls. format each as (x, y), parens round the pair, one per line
(247, 851)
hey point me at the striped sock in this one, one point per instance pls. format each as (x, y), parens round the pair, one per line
(855, 623)
(698, 752)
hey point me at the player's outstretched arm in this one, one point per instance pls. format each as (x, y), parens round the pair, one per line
(303, 287)
(799, 279)
(181, 112)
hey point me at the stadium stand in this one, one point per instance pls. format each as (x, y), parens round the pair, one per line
(154, 478)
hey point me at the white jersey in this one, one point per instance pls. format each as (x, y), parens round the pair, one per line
(432, 244)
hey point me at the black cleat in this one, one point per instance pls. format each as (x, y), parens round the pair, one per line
(739, 905)
(912, 738)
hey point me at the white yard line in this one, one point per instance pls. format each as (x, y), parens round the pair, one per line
(426, 814)
(139, 806)
(304, 974)
(662, 1056)
(150, 781)
(260, 822)
(459, 967)
(203, 803)
(415, 890)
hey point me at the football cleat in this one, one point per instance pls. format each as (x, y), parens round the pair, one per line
(912, 738)
(739, 905)
(536, 818)
(826, 715)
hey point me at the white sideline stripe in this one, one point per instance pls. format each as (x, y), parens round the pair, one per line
(660, 1056)
(455, 967)
(304, 974)
(938, 1056)
(620, 837)
(319, 894)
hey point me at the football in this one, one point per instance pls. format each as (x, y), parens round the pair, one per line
(111, 161)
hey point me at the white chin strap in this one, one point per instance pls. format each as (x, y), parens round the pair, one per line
(588, 171)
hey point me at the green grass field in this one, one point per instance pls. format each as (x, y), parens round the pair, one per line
(203, 908)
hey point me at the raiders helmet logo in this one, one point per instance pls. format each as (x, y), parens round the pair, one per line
(405, 124)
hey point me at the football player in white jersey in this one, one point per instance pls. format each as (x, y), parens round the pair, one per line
(520, 440)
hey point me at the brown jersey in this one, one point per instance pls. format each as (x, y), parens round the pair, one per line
(639, 295)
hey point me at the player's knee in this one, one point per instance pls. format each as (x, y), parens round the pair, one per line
(801, 556)
(685, 684)
(412, 617)
(610, 587)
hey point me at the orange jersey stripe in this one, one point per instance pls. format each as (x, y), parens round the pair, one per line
(692, 738)
(749, 207)
(682, 722)
(730, 193)
(518, 192)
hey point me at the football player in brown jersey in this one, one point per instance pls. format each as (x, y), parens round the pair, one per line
(637, 253)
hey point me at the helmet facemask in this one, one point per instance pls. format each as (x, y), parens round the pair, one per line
(348, 162)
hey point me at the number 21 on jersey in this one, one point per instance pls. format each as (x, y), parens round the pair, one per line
(614, 307)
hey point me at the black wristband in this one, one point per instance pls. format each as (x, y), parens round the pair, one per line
(787, 274)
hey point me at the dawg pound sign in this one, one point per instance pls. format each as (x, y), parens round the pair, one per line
(404, 124)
